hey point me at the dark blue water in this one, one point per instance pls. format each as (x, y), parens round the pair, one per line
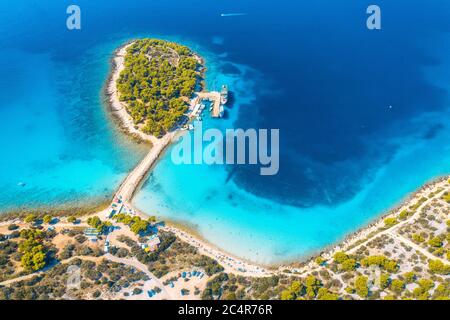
(362, 114)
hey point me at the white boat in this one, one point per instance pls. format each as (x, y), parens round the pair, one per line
(224, 95)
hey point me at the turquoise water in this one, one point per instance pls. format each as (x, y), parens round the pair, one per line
(59, 147)
(266, 231)
(308, 68)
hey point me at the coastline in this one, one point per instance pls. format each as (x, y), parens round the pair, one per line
(367, 232)
(189, 234)
(116, 107)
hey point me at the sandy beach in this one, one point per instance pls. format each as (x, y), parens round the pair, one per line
(118, 108)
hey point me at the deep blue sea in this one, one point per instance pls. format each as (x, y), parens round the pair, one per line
(363, 114)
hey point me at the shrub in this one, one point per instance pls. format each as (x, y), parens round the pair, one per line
(435, 242)
(340, 257)
(31, 218)
(384, 281)
(348, 265)
(12, 227)
(47, 219)
(409, 277)
(389, 222)
(380, 261)
(438, 267)
(397, 285)
(71, 219)
(417, 238)
(361, 287)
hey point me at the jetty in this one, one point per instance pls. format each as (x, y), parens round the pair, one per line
(214, 97)
(136, 177)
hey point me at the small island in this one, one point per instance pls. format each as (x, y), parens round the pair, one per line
(157, 82)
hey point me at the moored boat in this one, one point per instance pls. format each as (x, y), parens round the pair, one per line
(224, 95)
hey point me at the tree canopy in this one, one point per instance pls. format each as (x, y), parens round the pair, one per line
(158, 79)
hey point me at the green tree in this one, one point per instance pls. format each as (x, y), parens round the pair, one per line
(31, 218)
(435, 242)
(71, 219)
(340, 257)
(94, 222)
(312, 285)
(348, 265)
(33, 252)
(324, 294)
(410, 277)
(319, 260)
(389, 222)
(384, 281)
(438, 267)
(361, 286)
(47, 219)
(397, 285)
(139, 226)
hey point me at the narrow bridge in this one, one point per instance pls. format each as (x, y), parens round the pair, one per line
(135, 178)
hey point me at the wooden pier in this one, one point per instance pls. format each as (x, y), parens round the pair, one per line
(215, 98)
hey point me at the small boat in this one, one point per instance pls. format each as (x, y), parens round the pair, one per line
(21, 184)
(224, 95)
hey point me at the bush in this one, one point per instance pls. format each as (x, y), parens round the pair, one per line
(348, 265)
(12, 227)
(380, 261)
(435, 242)
(137, 291)
(80, 238)
(409, 277)
(384, 281)
(417, 238)
(389, 222)
(71, 219)
(397, 286)
(438, 267)
(340, 257)
(361, 287)
(47, 219)
(122, 253)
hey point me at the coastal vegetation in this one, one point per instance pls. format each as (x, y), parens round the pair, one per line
(406, 256)
(157, 82)
(34, 253)
(136, 224)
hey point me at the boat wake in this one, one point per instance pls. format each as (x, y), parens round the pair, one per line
(232, 14)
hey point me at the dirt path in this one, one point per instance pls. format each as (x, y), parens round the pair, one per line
(150, 284)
